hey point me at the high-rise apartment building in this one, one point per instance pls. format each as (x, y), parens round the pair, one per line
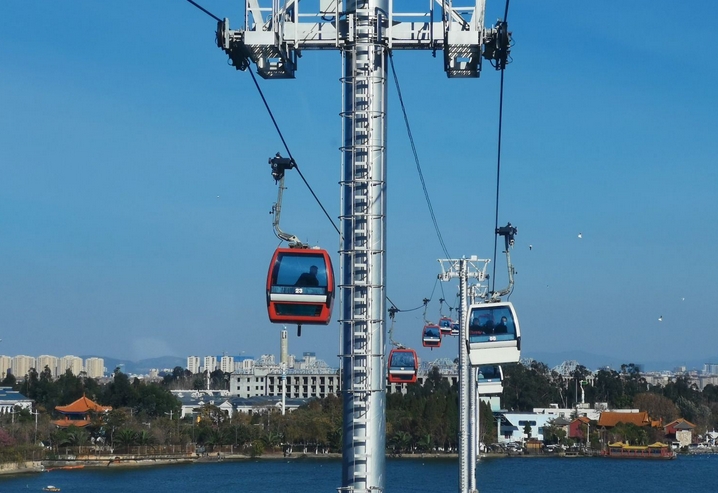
(244, 365)
(50, 361)
(193, 364)
(226, 364)
(5, 365)
(21, 365)
(69, 362)
(210, 363)
(95, 367)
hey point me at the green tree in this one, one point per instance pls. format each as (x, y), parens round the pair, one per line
(656, 405)
(527, 431)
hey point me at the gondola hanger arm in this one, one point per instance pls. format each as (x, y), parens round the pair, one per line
(279, 166)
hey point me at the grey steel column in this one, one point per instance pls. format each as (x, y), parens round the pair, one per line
(464, 369)
(474, 425)
(363, 265)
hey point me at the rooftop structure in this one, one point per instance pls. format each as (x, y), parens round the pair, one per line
(11, 399)
(78, 413)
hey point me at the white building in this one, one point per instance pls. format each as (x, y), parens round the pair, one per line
(193, 364)
(226, 364)
(266, 360)
(210, 363)
(47, 361)
(21, 365)
(95, 367)
(69, 362)
(11, 399)
(244, 365)
(5, 365)
(592, 413)
(267, 381)
(514, 424)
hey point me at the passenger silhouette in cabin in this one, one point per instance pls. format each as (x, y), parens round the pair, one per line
(308, 278)
(501, 328)
(475, 327)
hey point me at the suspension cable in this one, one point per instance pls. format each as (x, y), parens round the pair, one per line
(276, 126)
(205, 11)
(416, 157)
(443, 296)
(289, 153)
(413, 147)
(498, 157)
(423, 305)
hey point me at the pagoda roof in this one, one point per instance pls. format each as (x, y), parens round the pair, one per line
(82, 405)
(66, 423)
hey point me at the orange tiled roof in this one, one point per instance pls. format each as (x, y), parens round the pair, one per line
(65, 423)
(583, 419)
(83, 405)
(610, 419)
(679, 421)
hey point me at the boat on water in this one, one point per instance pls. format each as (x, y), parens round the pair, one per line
(656, 450)
(51, 488)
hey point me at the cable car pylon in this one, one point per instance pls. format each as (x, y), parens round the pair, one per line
(365, 31)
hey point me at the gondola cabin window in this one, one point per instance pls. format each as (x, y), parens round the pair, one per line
(488, 324)
(490, 373)
(305, 274)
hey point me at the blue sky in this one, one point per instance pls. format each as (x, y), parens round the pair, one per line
(135, 192)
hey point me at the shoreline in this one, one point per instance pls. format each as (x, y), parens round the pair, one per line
(133, 461)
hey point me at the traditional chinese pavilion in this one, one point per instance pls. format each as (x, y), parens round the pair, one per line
(78, 412)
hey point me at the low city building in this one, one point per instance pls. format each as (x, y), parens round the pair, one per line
(313, 382)
(681, 431)
(11, 400)
(513, 425)
(610, 419)
(577, 426)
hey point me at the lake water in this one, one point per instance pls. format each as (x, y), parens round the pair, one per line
(695, 474)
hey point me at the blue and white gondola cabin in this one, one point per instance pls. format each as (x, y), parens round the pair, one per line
(445, 325)
(455, 329)
(300, 286)
(494, 334)
(431, 337)
(489, 380)
(403, 366)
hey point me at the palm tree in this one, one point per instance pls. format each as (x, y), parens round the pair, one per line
(125, 438)
(425, 443)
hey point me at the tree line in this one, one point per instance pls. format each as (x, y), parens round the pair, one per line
(424, 419)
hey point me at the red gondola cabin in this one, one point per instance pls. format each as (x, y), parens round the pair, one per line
(300, 286)
(431, 336)
(403, 366)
